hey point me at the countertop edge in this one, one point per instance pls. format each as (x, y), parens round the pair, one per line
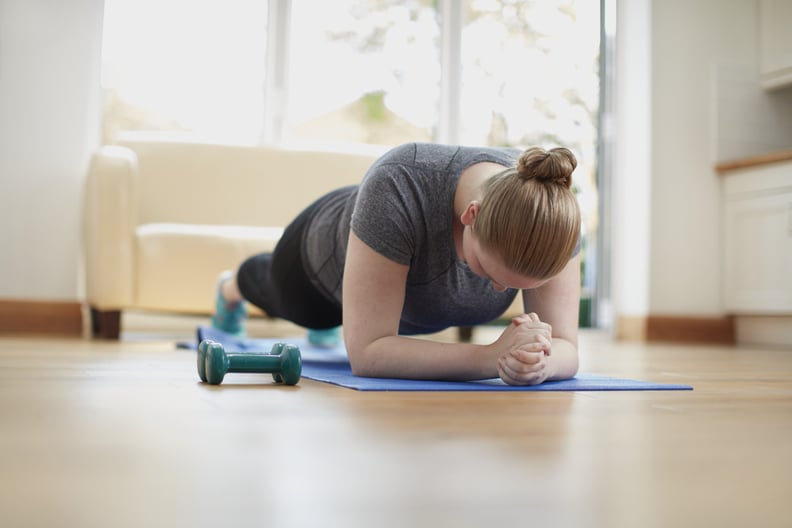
(753, 161)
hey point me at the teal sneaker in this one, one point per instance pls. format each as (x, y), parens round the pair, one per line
(228, 317)
(328, 338)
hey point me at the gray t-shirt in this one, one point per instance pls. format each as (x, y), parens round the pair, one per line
(404, 210)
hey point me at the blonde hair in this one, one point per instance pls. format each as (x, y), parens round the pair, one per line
(529, 215)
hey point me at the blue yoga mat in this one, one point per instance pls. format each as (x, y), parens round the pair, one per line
(332, 366)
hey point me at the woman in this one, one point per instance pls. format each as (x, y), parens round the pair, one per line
(435, 236)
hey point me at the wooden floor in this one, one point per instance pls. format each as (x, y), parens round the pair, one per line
(98, 434)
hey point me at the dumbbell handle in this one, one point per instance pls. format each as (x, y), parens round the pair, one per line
(244, 362)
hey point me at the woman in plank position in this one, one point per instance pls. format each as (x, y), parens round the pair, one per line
(435, 236)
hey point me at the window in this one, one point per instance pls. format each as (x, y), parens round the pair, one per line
(506, 72)
(530, 73)
(376, 79)
(189, 67)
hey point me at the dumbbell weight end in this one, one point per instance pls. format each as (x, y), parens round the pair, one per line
(290, 366)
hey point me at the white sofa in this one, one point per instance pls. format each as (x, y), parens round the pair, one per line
(162, 219)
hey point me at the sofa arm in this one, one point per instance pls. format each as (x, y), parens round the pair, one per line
(108, 228)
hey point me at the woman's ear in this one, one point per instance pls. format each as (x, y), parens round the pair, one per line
(470, 213)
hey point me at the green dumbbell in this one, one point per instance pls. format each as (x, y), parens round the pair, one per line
(283, 362)
(206, 343)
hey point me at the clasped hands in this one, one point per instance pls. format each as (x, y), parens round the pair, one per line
(527, 345)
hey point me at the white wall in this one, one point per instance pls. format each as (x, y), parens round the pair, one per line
(691, 40)
(674, 122)
(50, 55)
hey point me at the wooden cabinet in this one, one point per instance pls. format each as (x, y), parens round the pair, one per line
(757, 240)
(775, 43)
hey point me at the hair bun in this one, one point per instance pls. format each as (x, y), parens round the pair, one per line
(552, 166)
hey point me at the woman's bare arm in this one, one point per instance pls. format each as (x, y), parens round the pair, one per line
(373, 300)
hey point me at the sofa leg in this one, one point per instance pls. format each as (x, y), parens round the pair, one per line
(465, 334)
(106, 324)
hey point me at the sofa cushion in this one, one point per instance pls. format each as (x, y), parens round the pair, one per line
(178, 264)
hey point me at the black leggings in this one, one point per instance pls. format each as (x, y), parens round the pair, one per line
(279, 284)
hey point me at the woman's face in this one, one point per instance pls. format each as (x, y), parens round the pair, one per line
(490, 266)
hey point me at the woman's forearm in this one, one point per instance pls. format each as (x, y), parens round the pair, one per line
(418, 358)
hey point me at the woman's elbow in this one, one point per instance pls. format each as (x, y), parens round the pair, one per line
(569, 369)
(359, 369)
(359, 360)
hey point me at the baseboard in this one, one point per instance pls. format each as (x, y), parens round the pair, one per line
(677, 329)
(705, 330)
(41, 318)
